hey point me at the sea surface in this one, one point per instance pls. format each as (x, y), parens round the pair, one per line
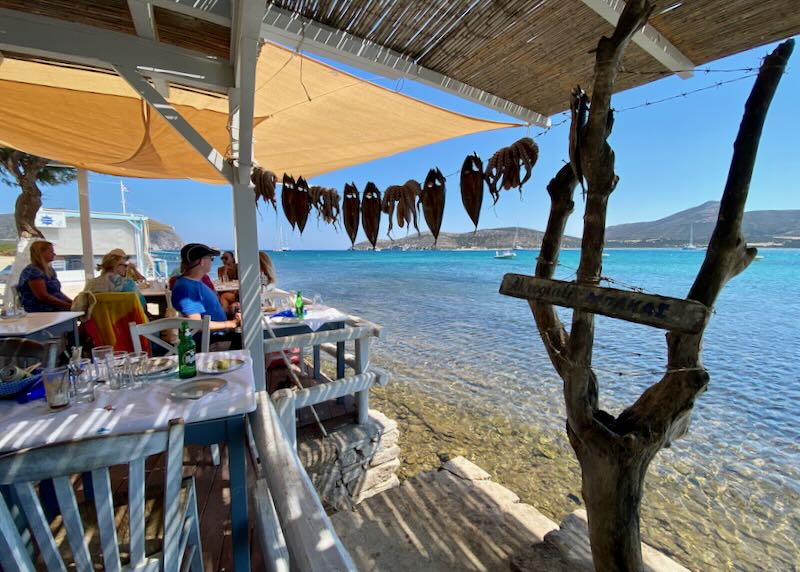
(470, 376)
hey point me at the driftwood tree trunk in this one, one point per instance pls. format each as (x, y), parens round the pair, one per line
(29, 200)
(614, 453)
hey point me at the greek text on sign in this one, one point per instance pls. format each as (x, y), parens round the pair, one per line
(688, 316)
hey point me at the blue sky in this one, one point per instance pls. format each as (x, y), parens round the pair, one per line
(670, 156)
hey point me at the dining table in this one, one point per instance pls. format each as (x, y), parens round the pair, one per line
(41, 326)
(216, 417)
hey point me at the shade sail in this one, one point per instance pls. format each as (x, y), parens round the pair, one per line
(310, 118)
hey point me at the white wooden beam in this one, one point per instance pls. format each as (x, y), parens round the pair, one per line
(296, 32)
(86, 224)
(88, 45)
(145, 25)
(648, 38)
(176, 120)
(247, 15)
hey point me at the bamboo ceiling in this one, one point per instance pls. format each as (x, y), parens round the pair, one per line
(528, 52)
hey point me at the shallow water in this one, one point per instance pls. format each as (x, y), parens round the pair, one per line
(470, 376)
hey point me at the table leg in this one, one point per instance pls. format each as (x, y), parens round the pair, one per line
(75, 335)
(235, 429)
(340, 360)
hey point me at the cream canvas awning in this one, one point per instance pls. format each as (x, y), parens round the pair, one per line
(310, 118)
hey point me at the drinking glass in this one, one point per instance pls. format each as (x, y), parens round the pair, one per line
(317, 300)
(56, 387)
(99, 355)
(83, 377)
(119, 370)
(139, 368)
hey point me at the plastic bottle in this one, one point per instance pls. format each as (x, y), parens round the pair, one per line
(186, 352)
(299, 309)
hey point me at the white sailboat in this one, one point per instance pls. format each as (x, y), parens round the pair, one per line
(283, 245)
(691, 245)
(516, 246)
(507, 252)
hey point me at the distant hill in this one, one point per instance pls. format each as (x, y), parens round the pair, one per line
(766, 228)
(492, 239)
(162, 236)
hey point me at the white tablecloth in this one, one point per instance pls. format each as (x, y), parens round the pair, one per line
(314, 318)
(125, 411)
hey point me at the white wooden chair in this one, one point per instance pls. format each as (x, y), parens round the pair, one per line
(151, 332)
(181, 547)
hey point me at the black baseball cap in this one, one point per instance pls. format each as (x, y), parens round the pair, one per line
(194, 251)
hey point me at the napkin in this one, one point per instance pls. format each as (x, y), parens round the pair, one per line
(287, 314)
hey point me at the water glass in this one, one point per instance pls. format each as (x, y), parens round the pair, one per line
(99, 357)
(139, 368)
(83, 377)
(119, 370)
(317, 300)
(56, 387)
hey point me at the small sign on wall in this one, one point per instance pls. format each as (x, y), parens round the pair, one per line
(46, 218)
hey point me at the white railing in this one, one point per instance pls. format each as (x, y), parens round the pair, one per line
(294, 530)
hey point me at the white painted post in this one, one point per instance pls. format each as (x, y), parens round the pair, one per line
(283, 399)
(362, 363)
(86, 224)
(241, 101)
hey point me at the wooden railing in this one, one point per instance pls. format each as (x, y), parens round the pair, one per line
(294, 531)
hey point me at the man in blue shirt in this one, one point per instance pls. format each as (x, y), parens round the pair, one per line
(192, 298)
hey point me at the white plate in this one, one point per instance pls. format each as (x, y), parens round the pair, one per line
(219, 365)
(284, 321)
(161, 365)
(197, 388)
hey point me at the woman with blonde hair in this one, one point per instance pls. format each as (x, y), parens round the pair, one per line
(114, 275)
(267, 269)
(39, 288)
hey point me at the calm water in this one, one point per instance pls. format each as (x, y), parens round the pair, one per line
(725, 496)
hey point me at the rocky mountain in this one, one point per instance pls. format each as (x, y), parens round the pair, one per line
(490, 239)
(765, 228)
(162, 236)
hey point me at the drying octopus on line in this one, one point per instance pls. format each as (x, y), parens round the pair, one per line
(371, 212)
(472, 187)
(402, 198)
(431, 198)
(326, 201)
(351, 206)
(264, 182)
(503, 171)
(287, 190)
(301, 203)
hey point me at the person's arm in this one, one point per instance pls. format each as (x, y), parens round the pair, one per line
(39, 289)
(216, 326)
(221, 272)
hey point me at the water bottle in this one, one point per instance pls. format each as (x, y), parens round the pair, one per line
(186, 353)
(299, 306)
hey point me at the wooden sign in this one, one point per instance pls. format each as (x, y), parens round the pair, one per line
(675, 314)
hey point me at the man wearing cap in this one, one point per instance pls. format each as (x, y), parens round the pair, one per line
(192, 298)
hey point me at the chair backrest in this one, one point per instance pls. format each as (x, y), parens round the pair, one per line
(23, 352)
(22, 470)
(151, 330)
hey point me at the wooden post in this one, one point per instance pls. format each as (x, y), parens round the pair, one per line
(86, 224)
(283, 399)
(362, 364)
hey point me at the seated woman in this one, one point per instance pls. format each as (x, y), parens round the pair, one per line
(268, 277)
(192, 298)
(133, 273)
(228, 271)
(114, 277)
(39, 288)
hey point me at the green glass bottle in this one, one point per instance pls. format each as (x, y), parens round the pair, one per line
(299, 309)
(186, 351)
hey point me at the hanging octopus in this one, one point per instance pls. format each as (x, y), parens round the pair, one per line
(264, 182)
(351, 205)
(503, 169)
(472, 186)
(326, 201)
(371, 212)
(403, 198)
(287, 192)
(579, 112)
(301, 204)
(431, 198)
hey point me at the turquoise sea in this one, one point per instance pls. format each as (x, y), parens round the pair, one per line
(728, 493)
